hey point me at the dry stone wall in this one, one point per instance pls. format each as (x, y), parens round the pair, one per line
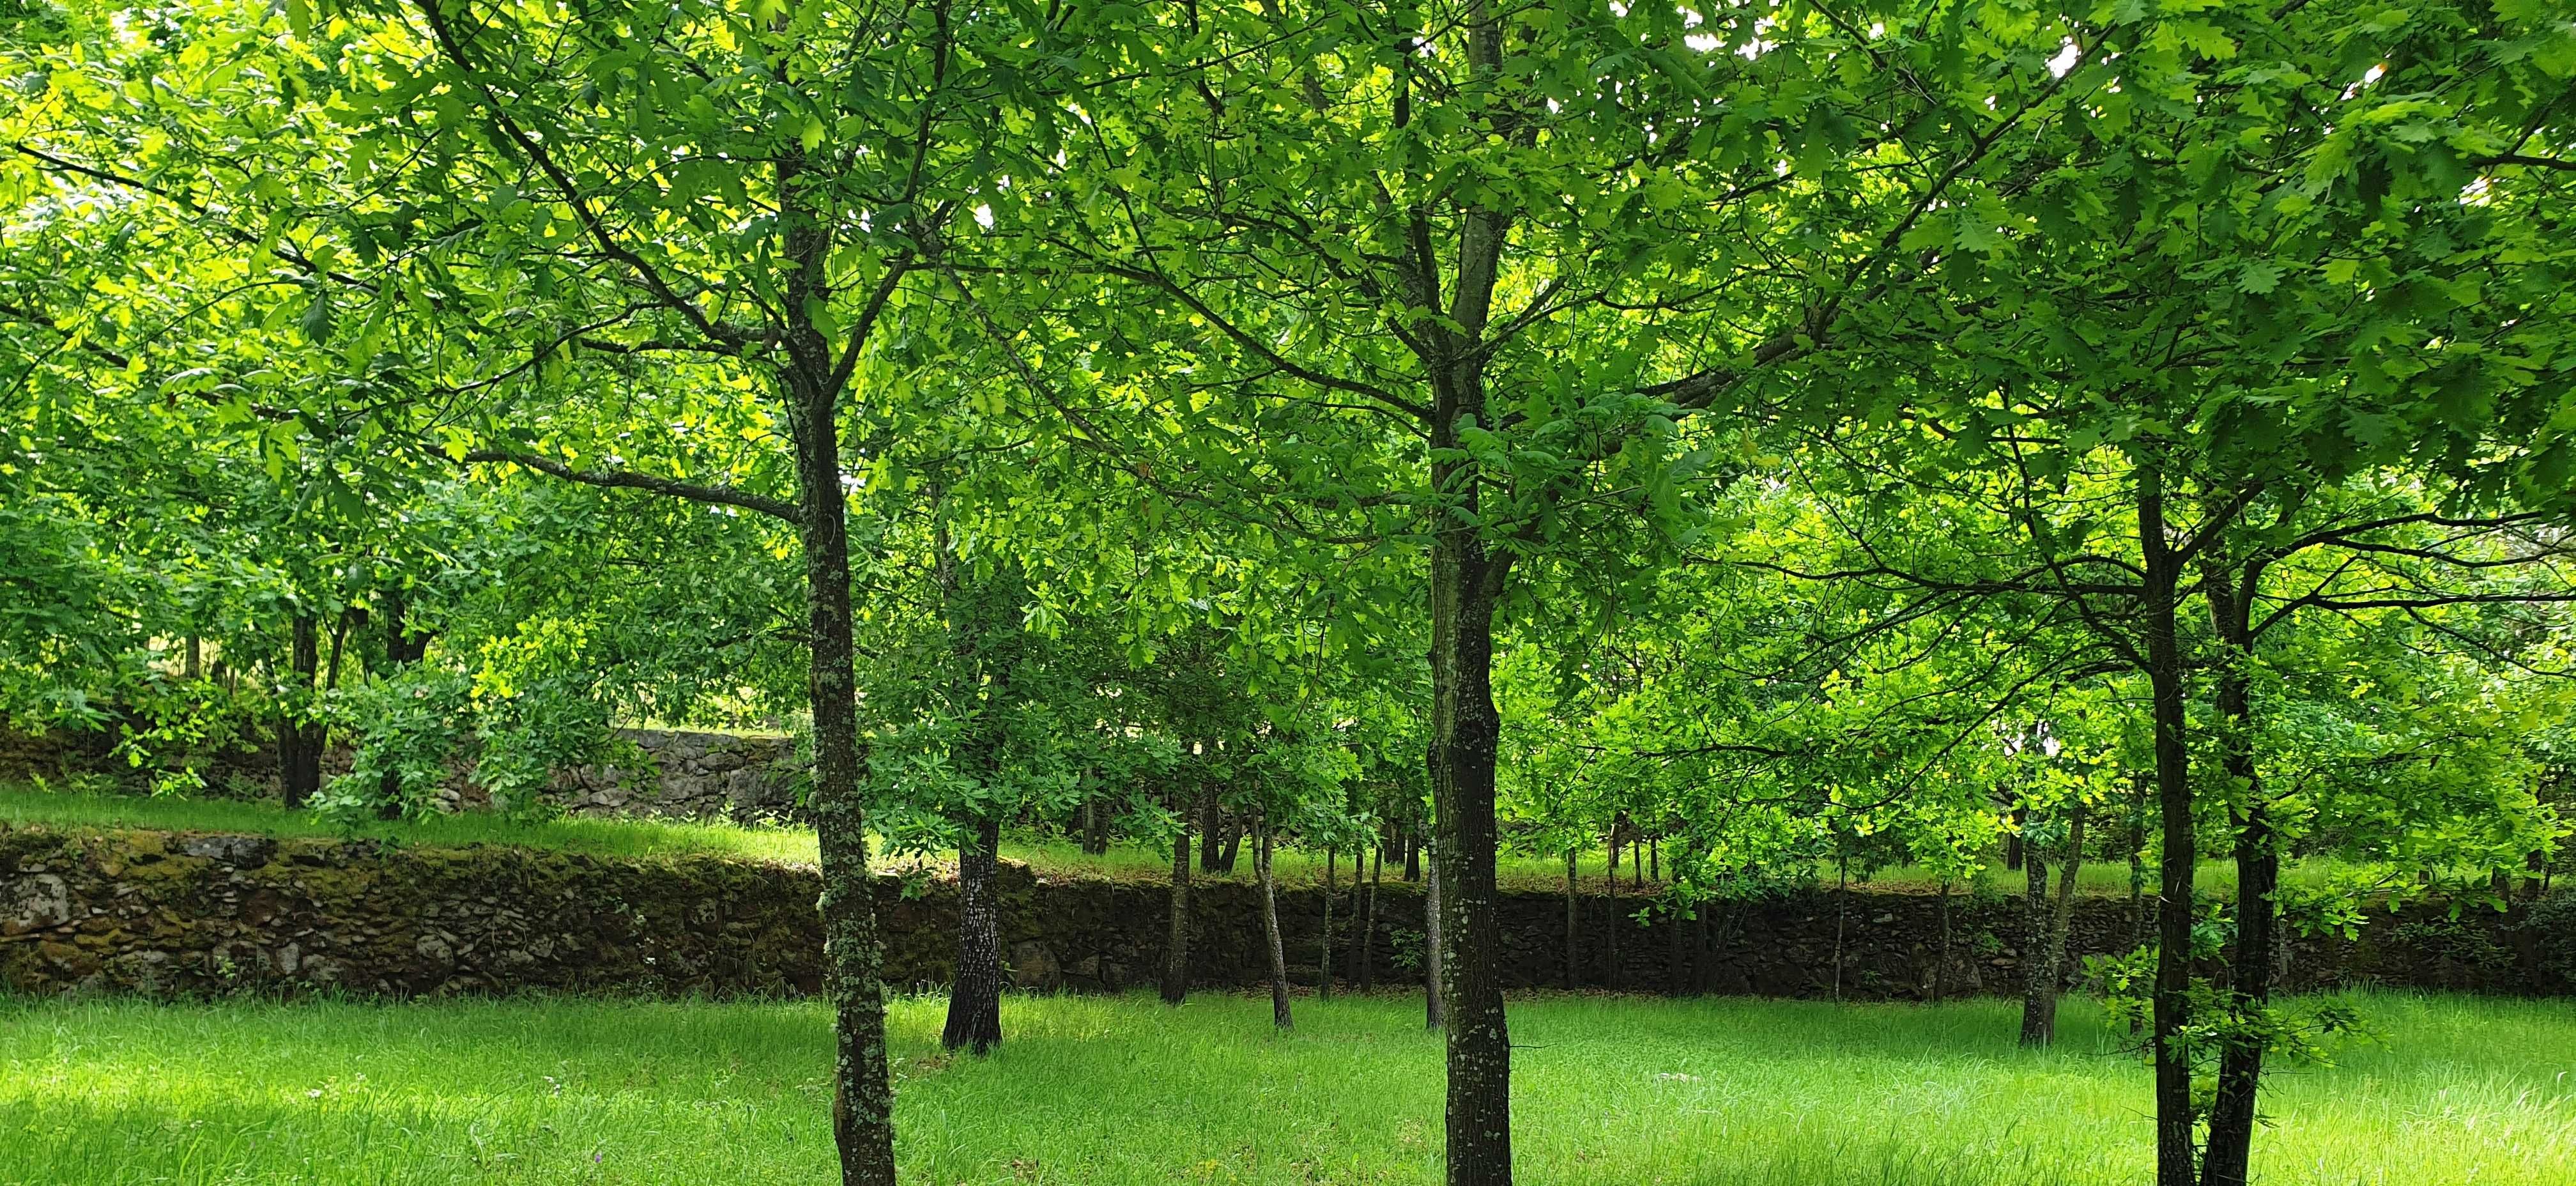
(186, 913)
(682, 774)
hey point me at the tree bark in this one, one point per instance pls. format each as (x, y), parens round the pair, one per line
(1368, 922)
(1432, 951)
(1176, 953)
(1270, 930)
(863, 1099)
(1573, 925)
(2175, 1152)
(2232, 1115)
(1324, 966)
(975, 999)
(299, 737)
(1211, 830)
(1466, 583)
(1233, 845)
(2038, 970)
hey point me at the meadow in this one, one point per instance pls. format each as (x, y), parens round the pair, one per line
(1123, 1090)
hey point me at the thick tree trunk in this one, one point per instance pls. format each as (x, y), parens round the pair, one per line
(1465, 733)
(975, 999)
(863, 1099)
(2232, 1115)
(1211, 830)
(299, 737)
(2175, 1151)
(1573, 925)
(1270, 930)
(1176, 953)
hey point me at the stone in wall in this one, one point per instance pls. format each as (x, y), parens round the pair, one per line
(692, 775)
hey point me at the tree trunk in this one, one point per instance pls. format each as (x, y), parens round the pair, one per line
(2062, 921)
(975, 1000)
(299, 738)
(1176, 954)
(1233, 845)
(2232, 1116)
(1324, 966)
(1270, 930)
(2138, 858)
(1412, 852)
(196, 662)
(1211, 830)
(1368, 921)
(1842, 909)
(1573, 926)
(2038, 973)
(863, 1099)
(2175, 1152)
(1433, 1016)
(1611, 976)
(1466, 584)
(1941, 963)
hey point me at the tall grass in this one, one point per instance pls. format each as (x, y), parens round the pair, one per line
(1614, 1092)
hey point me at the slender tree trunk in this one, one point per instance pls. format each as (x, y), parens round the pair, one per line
(2062, 921)
(1612, 975)
(975, 1000)
(1270, 929)
(2176, 1155)
(1368, 923)
(1176, 953)
(2038, 973)
(1211, 830)
(863, 1098)
(2232, 1113)
(299, 748)
(1842, 909)
(196, 662)
(1412, 852)
(1433, 950)
(1234, 828)
(1573, 925)
(2138, 857)
(1655, 861)
(1324, 966)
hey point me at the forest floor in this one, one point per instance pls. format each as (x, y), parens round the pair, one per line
(1613, 1091)
(1048, 855)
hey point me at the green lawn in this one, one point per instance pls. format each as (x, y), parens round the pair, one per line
(1051, 855)
(1618, 1092)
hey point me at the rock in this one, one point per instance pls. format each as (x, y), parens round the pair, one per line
(1034, 967)
(36, 903)
(240, 852)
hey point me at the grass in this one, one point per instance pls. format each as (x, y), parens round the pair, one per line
(1052, 856)
(1615, 1092)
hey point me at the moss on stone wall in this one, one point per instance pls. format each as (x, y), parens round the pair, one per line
(161, 912)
